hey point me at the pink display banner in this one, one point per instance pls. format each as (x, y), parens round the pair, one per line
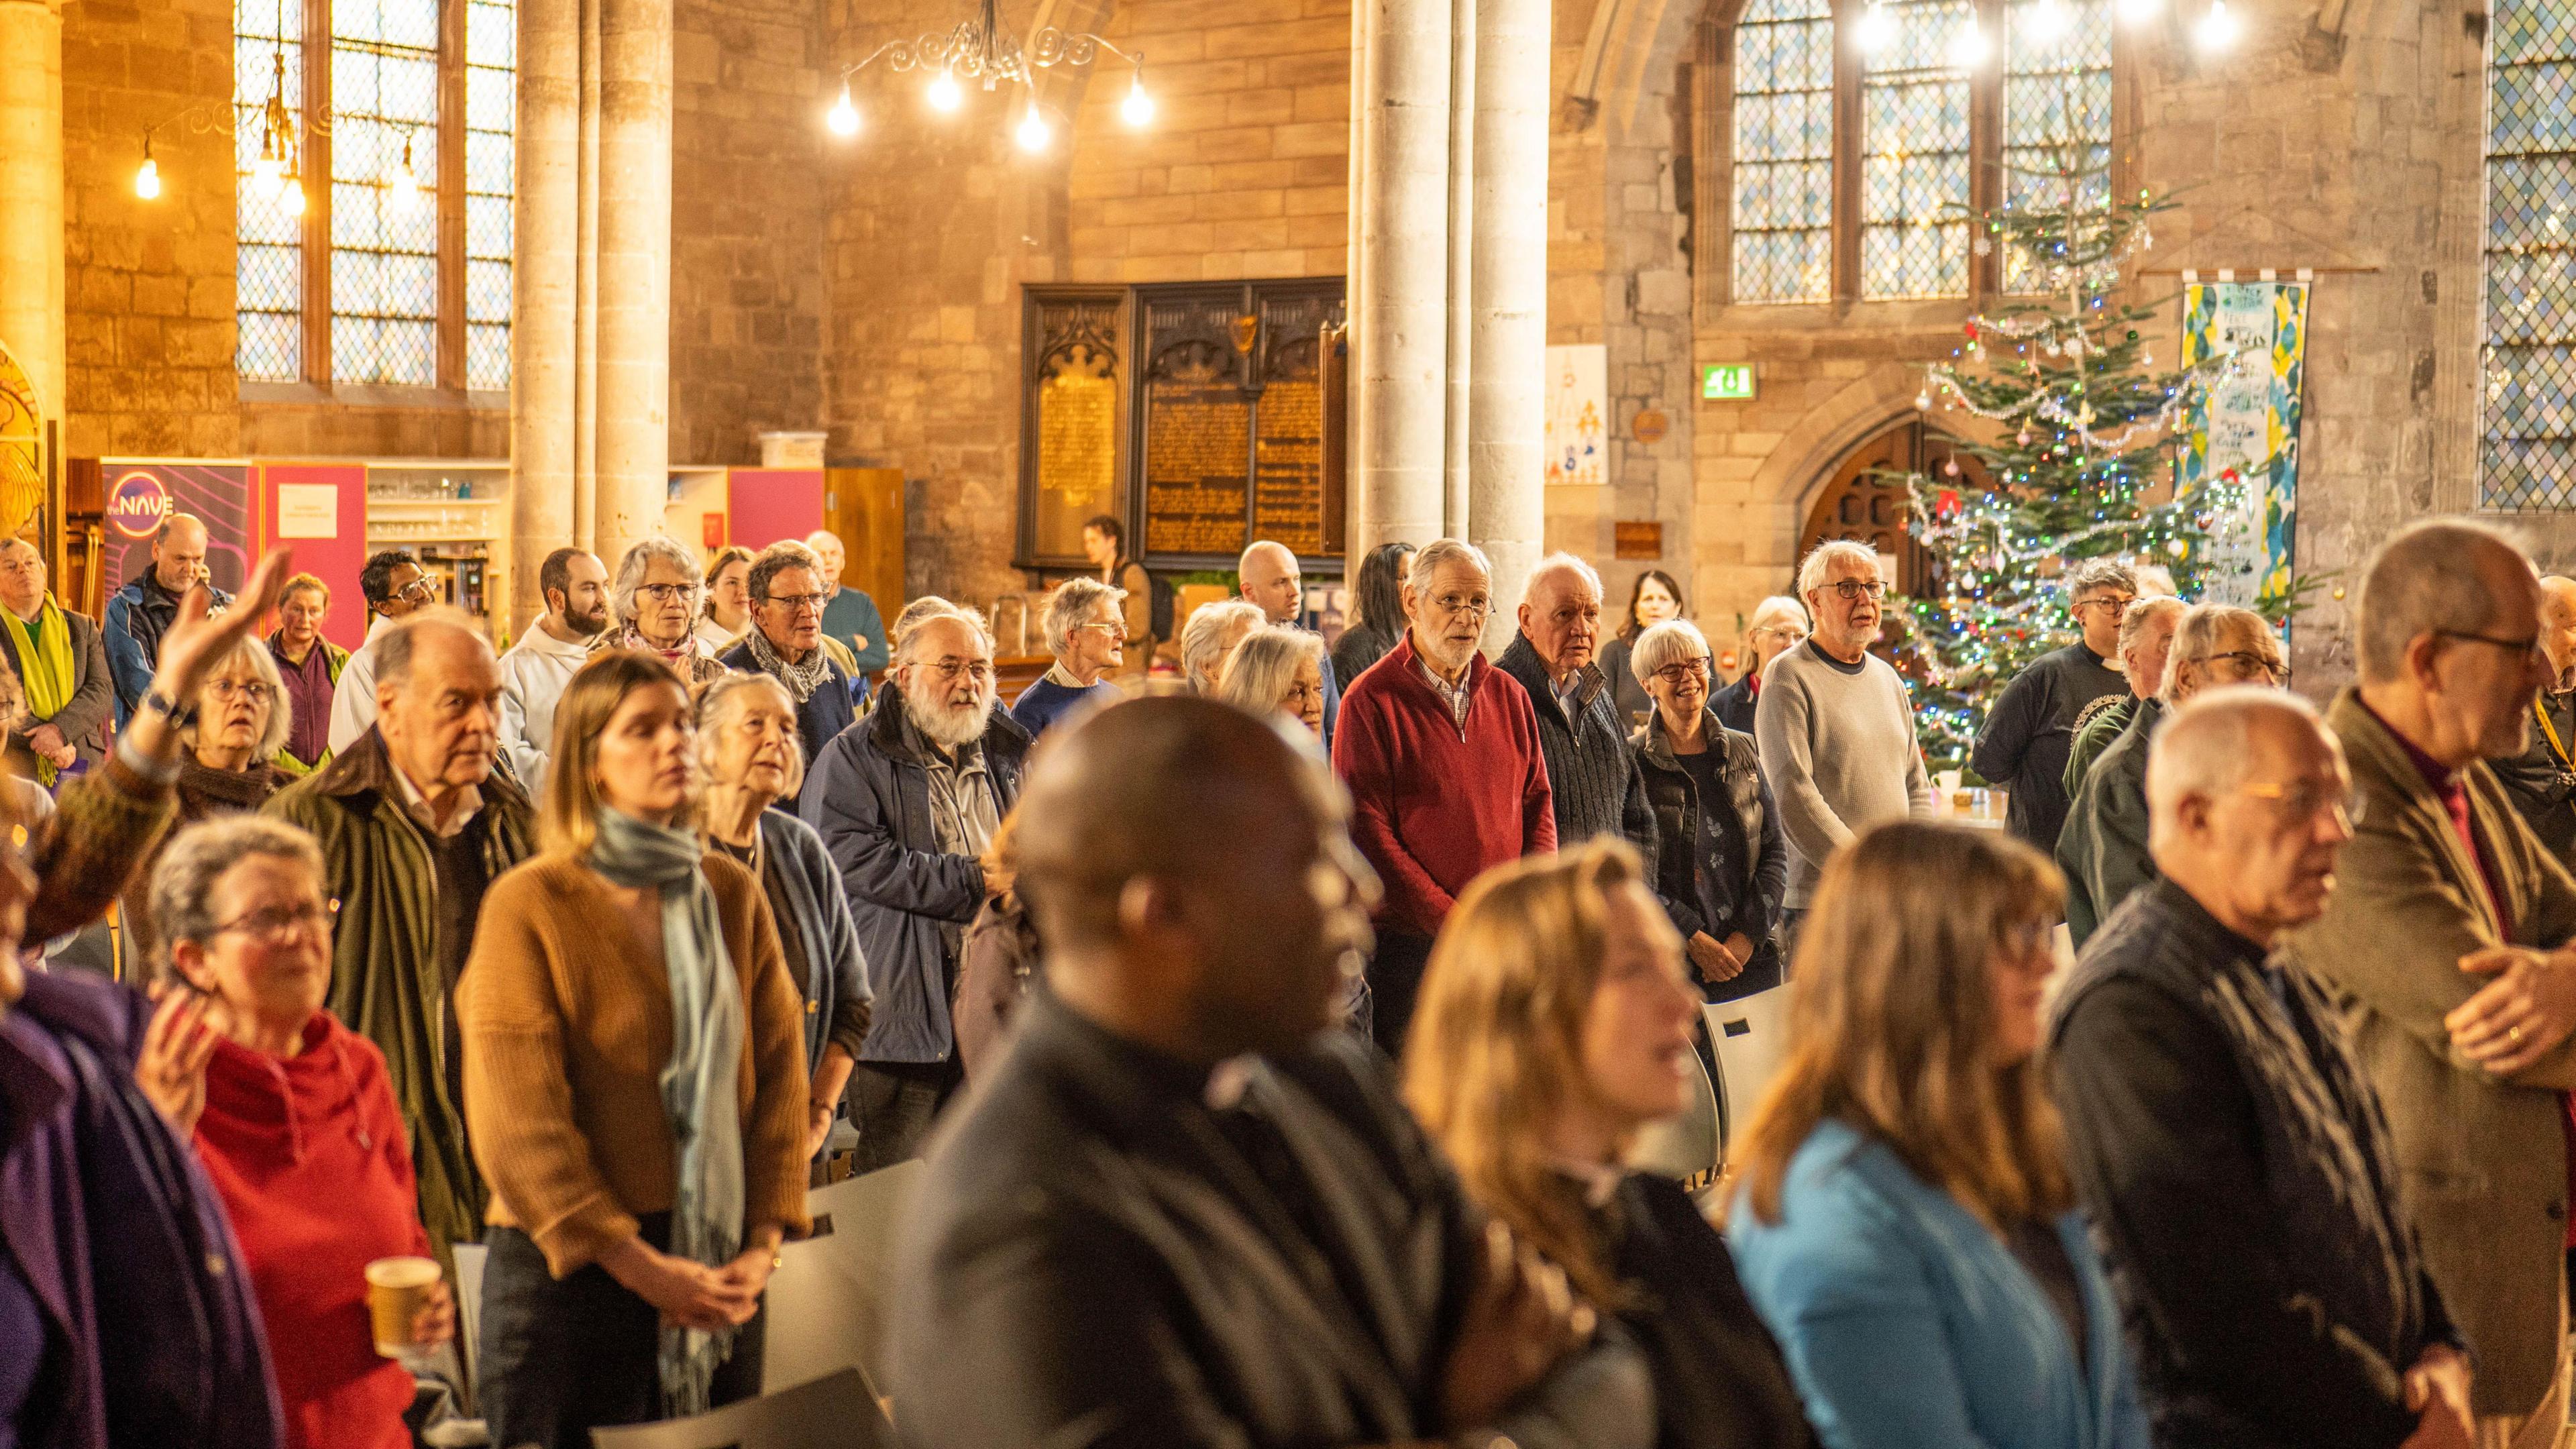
(764, 505)
(320, 511)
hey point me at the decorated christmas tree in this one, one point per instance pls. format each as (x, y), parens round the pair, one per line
(2079, 437)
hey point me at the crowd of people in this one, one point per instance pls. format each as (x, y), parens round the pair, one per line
(1278, 1034)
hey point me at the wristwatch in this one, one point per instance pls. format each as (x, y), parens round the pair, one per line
(159, 703)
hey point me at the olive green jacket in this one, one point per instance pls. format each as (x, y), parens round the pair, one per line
(385, 980)
(2482, 1160)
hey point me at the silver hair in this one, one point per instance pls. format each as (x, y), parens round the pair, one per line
(1071, 606)
(1209, 623)
(2206, 746)
(774, 560)
(1428, 559)
(252, 651)
(821, 536)
(1775, 605)
(1674, 641)
(400, 640)
(910, 617)
(1819, 561)
(2098, 573)
(183, 880)
(2203, 629)
(726, 698)
(1262, 665)
(1562, 563)
(2425, 580)
(908, 625)
(632, 568)
(2142, 615)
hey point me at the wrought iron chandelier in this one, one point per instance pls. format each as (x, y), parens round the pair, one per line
(979, 49)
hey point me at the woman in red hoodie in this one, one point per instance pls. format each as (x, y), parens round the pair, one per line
(294, 1120)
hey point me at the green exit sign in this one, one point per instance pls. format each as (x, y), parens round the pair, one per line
(1726, 381)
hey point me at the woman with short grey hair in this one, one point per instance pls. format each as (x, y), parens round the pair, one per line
(1277, 671)
(1086, 631)
(654, 602)
(293, 1116)
(1778, 625)
(229, 743)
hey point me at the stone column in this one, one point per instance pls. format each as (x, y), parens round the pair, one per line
(1456, 502)
(634, 274)
(1401, 224)
(1507, 502)
(31, 193)
(585, 339)
(546, 226)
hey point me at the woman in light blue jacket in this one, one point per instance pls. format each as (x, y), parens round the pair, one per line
(1905, 1224)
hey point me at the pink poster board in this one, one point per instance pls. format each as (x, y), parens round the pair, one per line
(320, 511)
(764, 505)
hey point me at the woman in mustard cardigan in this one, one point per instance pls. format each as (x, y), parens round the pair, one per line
(634, 1086)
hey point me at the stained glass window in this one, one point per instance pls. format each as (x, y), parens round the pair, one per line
(2529, 369)
(1914, 102)
(384, 219)
(268, 268)
(1784, 152)
(2057, 112)
(491, 71)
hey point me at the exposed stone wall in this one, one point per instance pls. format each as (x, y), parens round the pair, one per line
(148, 285)
(747, 277)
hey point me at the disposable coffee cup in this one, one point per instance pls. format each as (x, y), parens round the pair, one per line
(397, 1290)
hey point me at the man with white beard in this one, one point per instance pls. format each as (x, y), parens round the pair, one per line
(907, 801)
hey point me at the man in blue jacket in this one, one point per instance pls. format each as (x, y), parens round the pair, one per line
(785, 642)
(141, 612)
(907, 802)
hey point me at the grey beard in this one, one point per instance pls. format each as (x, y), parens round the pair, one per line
(949, 728)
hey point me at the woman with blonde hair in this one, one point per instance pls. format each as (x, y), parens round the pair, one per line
(635, 1086)
(1905, 1222)
(1276, 670)
(727, 614)
(1554, 1023)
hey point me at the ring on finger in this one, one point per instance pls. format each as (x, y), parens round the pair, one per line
(2513, 1034)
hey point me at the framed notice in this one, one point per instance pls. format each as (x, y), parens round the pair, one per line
(1073, 405)
(1578, 403)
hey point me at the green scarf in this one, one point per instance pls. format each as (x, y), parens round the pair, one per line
(47, 670)
(701, 1088)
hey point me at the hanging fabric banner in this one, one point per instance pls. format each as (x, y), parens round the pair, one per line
(2245, 430)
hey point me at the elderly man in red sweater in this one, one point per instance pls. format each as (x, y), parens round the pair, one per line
(1440, 751)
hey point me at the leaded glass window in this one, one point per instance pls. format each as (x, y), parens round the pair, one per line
(2056, 113)
(1914, 103)
(268, 267)
(1784, 152)
(384, 226)
(491, 72)
(2529, 455)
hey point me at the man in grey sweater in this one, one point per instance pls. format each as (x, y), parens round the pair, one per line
(1835, 723)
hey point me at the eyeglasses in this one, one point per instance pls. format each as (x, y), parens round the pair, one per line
(273, 925)
(417, 590)
(1680, 674)
(1853, 590)
(976, 669)
(2118, 604)
(2270, 670)
(228, 690)
(2529, 648)
(1790, 632)
(1477, 604)
(2308, 801)
(1117, 632)
(798, 603)
(666, 593)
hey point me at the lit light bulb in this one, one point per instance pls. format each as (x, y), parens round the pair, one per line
(406, 190)
(2046, 19)
(1138, 108)
(2137, 11)
(844, 118)
(1877, 28)
(267, 178)
(294, 199)
(1034, 132)
(944, 94)
(1970, 47)
(2217, 29)
(147, 181)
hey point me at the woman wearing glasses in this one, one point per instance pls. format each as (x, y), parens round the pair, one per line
(1720, 867)
(293, 1117)
(653, 605)
(1086, 630)
(1779, 625)
(231, 731)
(1905, 1223)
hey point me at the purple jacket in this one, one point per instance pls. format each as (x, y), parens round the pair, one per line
(112, 1228)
